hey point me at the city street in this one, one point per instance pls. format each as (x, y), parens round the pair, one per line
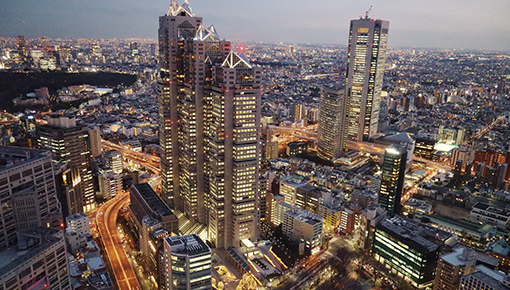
(107, 225)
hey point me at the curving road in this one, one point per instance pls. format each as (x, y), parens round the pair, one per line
(148, 161)
(107, 225)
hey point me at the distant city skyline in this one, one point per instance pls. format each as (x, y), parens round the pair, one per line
(467, 24)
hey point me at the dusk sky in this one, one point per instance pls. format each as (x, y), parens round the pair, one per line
(483, 24)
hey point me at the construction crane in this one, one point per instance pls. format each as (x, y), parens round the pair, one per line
(368, 11)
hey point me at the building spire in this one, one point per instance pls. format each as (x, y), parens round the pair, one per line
(176, 9)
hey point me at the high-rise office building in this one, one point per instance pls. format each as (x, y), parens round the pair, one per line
(95, 142)
(209, 107)
(27, 192)
(366, 57)
(313, 115)
(70, 143)
(21, 46)
(110, 184)
(272, 150)
(32, 245)
(300, 112)
(69, 192)
(331, 128)
(185, 263)
(410, 248)
(114, 161)
(392, 180)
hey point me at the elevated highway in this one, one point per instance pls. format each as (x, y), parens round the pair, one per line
(107, 225)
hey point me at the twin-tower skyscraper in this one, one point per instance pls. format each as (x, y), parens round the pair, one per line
(209, 107)
(352, 113)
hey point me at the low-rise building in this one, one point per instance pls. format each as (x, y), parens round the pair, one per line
(490, 214)
(416, 206)
(78, 223)
(301, 225)
(452, 266)
(146, 202)
(484, 279)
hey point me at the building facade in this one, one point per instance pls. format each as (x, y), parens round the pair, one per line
(78, 223)
(366, 58)
(452, 266)
(95, 142)
(39, 261)
(114, 160)
(301, 225)
(110, 184)
(186, 263)
(209, 107)
(485, 279)
(410, 248)
(69, 191)
(27, 193)
(70, 143)
(300, 112)
(331, 128)
(490, 214)
(392, 179)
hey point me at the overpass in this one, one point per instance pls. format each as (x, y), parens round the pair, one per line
(148, 161)
(362, 146)
(378, 149)
(308, 77)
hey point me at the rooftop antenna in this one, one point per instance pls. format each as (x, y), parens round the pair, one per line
(368, 11)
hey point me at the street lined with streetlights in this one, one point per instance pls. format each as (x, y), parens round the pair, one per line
(107, 225)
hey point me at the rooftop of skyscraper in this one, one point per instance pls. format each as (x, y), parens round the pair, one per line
(30, 244)
(15, 156)
(188, 245)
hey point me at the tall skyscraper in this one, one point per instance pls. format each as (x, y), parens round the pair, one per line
(21, 46)
(300, 112)
(95, 142)
(365, 68)
(392, 180)
(209, 107)
(331, 128)
(69, 143)
(69, 193)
